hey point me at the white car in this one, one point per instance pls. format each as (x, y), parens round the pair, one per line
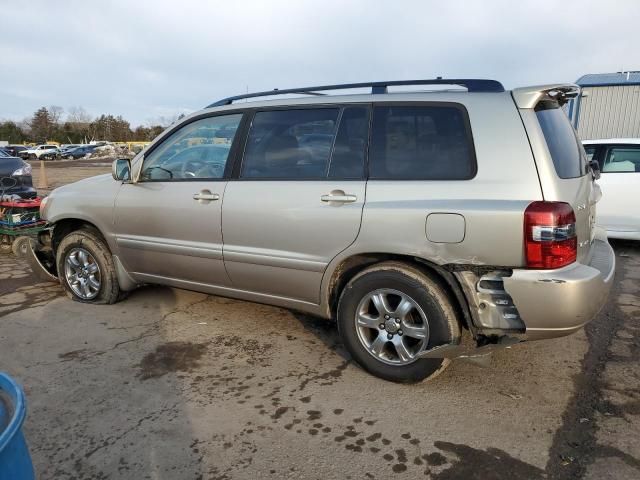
(619, 159)
(37, 151)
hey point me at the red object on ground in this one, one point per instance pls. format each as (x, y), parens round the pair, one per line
(23, 203)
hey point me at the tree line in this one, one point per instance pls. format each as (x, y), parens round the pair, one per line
(78, 126)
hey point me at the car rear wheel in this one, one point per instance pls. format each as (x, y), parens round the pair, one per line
(86, 269)
(389, 314)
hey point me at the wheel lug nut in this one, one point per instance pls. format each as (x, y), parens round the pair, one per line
(386, 317)
(399, 332)
(390, 336)
(382, 326)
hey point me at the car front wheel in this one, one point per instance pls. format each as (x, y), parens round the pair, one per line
(86, 269)
(391, 313)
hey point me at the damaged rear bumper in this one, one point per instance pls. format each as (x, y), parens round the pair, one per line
(510, 306)
(554, 303)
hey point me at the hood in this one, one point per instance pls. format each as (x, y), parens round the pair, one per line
(9, 165)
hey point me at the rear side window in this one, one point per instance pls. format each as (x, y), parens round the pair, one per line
(421, 143)
(290, 144)
(561, 140)
(347, 159)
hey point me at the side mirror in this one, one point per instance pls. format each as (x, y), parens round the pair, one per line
(595, 168)
(121, 169)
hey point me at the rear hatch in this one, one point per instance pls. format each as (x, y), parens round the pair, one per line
(562, 165)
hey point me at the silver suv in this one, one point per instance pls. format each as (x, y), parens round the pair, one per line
(404, 216)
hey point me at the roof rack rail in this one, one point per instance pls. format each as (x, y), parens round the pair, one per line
(471, 84)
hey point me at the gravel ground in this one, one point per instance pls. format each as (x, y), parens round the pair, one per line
(174, 384)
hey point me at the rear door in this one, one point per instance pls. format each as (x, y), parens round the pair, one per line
(297, 198)
(567, 177)
(618, 209)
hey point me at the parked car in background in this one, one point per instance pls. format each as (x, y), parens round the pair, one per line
(78, 152)
(14, 150)
(51, 154)
(619, 208)
(37, 151)
(65, 148)
(405, 216)
(15, 177)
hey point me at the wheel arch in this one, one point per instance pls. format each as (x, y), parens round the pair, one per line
(351, 266)
(64, 226)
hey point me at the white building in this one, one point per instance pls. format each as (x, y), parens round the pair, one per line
(609, 106)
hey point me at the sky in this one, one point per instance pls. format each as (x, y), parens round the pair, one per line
(153, 60)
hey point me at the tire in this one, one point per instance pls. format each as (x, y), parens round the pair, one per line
(430, 315)
(86, 248)
(20, 246)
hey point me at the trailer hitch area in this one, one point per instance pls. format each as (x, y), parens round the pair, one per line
(472, 351)
(41, 259)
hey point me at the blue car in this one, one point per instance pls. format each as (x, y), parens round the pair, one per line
(79, 152)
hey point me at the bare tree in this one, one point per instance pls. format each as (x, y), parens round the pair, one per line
(78, 115)
(55, 113)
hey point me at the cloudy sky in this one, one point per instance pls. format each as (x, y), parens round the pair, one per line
(151, 59)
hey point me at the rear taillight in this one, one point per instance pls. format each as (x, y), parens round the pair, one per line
(550, 235)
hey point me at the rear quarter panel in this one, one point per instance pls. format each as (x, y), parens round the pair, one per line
(492, 203)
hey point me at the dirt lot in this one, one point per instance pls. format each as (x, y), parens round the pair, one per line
(173, 384)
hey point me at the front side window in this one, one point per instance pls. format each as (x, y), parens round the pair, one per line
(290, 144)
(561, 140)
(421, 143)
(199, 150)
(622, 159)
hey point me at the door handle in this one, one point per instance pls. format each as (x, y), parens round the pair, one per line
(205, 195)
(340, 197)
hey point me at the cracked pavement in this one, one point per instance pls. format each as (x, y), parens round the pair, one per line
(174, 384)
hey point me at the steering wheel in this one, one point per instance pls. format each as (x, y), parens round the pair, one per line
(190, 168)
(200, 169)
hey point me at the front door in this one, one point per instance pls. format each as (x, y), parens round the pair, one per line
(168, 224)
(298, 199)
(617, 211)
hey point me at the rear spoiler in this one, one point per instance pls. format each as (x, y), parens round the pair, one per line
(528, 97)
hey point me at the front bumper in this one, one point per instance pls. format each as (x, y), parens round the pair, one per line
(554, 303)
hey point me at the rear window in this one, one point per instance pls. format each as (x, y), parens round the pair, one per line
(562, 141)
(421, 143)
